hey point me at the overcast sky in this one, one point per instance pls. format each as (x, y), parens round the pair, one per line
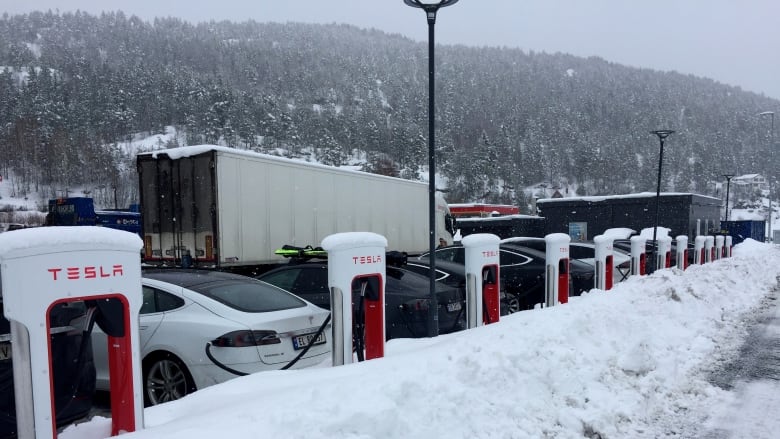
(736, 42)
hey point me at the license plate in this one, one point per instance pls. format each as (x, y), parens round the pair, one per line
(5, 351)
(301, 341)
(455, 306)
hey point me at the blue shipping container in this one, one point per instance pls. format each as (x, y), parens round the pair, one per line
(742, 230)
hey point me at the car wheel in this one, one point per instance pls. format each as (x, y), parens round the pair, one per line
(511, 304)
(166, 378)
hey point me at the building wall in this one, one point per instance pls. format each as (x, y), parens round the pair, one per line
(678, 212)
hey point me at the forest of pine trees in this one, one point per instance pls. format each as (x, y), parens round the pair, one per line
(74, 84)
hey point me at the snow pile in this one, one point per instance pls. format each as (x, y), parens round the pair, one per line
(627, 363)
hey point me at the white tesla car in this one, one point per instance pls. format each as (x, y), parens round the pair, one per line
(201, 327)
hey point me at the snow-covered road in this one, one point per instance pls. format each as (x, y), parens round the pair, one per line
(754, 380)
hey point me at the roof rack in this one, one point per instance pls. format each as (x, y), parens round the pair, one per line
(393, 258)
(291, 251)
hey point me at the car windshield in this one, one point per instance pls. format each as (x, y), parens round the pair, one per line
(249, 296)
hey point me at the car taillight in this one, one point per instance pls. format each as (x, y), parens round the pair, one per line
(240, 339)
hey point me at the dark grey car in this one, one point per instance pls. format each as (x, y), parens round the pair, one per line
(522, 272)
(406, 297)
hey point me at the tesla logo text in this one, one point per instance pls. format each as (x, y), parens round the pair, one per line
(75, 273)
(366, 259)
(490, 253)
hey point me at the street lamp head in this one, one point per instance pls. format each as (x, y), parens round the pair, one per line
(662, 134)
(430, 8)
(426, 6)
(728, 176)
(767, 113)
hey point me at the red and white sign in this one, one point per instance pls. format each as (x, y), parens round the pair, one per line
(88, 272)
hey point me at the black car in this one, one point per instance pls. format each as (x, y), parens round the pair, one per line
(406, 297)
(522, 271)
(625, 245)
(72, 365)
(454, 275)
(583, 252)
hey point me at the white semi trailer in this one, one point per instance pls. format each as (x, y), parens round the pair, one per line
(212, 206)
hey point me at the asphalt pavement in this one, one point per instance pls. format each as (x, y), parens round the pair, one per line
(754, 378)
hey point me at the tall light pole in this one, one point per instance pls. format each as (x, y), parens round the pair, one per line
(430, 13)
(728, 186)
(662, 135)
(771, 114)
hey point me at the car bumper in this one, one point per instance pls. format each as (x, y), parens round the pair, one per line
(206, 373)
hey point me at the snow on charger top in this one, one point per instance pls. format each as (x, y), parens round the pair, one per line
(53, 239)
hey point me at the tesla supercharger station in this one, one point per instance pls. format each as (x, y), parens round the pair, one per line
(604, 264)
(729, 246)
(356, 272)
(482, 279)
(45, 267)
(698, 249)
(682, 252)
(638, 255)
(664, 255)
(719, 247)
(556, 285)
(709, 248)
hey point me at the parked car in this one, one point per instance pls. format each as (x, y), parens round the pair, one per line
(251, 326)
(584, 252)
(447, 272)
(625, 246)
(407, 295)
(72, 366)
(522, 271)
(454, 275)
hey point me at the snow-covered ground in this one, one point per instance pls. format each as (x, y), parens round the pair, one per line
(633, 362)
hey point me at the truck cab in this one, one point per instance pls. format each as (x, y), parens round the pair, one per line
(71, 211)
(80, 211)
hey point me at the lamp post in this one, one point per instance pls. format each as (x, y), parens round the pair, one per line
(728, 185)
(662, 135)
(771, 114)
(430, 13)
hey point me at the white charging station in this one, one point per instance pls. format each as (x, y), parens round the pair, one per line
(483, 287)
(638, 255)
(664, 255)
(682, 252)
(556, 285)
(356, 271)
(698, 249)
(729, 246)
(709, 248)
(48, 266)
(604, 262)
(719, 240)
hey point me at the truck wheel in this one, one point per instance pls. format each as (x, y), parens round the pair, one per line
(166, 378)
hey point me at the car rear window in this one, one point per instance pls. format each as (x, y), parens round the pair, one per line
(249, 296)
